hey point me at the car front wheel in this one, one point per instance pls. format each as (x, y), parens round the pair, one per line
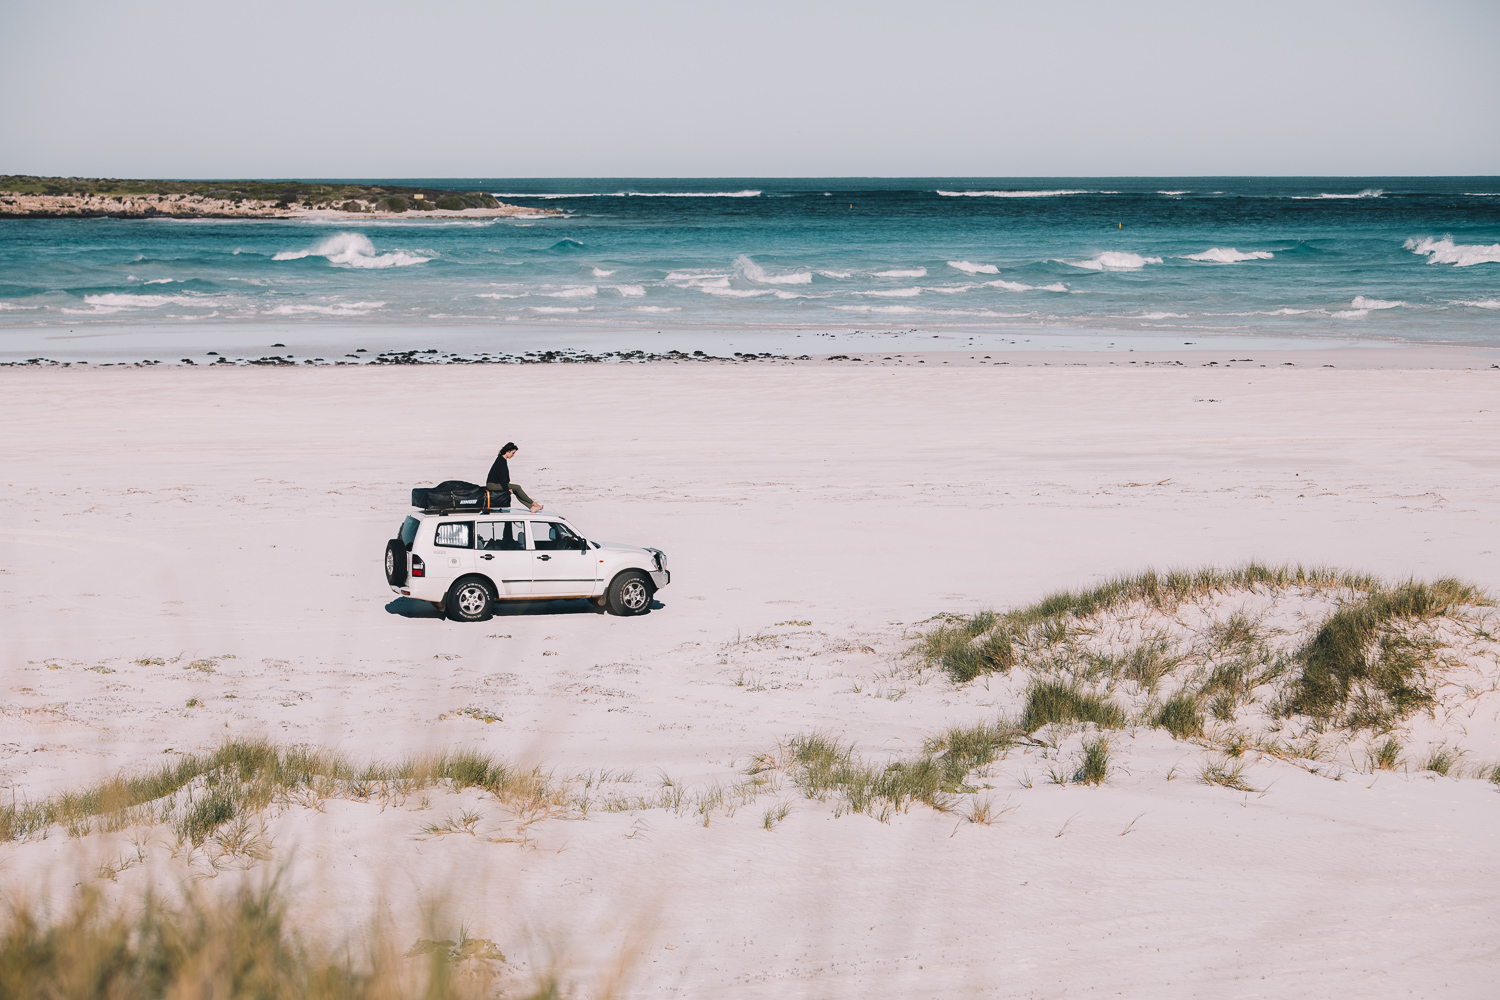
(630, 593)
(470, 600)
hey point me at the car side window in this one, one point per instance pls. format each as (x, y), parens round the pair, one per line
(549, 536)
(502, 536)
(455, 535)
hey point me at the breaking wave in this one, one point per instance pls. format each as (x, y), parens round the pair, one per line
(353, 250)
(911, 272)
(971, 268)
(1114, 260)
(1366, 193)
(1445, 251)
(630, 291)
(752, 271)
(1479, 303)
(1215, 255)
(1360, 302)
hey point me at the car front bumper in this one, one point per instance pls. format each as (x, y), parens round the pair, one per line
(661, 579)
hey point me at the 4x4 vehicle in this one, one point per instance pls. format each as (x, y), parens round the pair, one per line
(465, 562)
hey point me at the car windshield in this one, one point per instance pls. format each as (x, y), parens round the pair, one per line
(409, 531)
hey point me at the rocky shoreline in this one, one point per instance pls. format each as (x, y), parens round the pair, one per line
(26, 197)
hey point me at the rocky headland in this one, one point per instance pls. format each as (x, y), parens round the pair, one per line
(24, 197)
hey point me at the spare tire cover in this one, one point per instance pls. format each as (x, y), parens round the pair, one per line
(395, 562)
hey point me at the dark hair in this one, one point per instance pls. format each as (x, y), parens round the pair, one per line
(509, 446)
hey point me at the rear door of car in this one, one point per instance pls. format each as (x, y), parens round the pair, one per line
(561, 567)
(452, 550)
(504, 557)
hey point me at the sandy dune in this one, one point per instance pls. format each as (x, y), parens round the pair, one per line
(813, 515)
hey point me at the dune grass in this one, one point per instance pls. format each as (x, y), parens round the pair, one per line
(237, 945)
(1093, 764)
(1049, 701)
(198, 794)
(985, 642)
(823, 767)
(1362, 670)
(1180, 716)
(1367, 666)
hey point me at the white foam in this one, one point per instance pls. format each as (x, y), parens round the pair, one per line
(971, 268)
(1215, 255)
(109, 303)
(1008, 194)
(1016, 286)
(600, 272)
(1172, 194)
(574, 292)
(1115, 260)
(1480, 303)
(160, 281)
(631, 291)
(690, 194)
(560, 309)
(752, 271)
(912, 272)
(1360, 302)
(658, 309)
(500, 295)
(1445, 251)
(895, 293)
(837, 274)
(724, 291)
(337, 309)
(1366, 193)
(354, 250)
(1350, 313)
(886, 310)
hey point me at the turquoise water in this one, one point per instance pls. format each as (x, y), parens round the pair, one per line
(1365, 259)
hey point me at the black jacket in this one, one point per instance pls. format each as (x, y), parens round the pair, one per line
(500, 471)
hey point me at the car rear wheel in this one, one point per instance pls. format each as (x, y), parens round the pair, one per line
(395, 562)
(470, 600)
(630, 593)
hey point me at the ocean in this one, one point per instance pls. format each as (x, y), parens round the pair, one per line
(772, 264)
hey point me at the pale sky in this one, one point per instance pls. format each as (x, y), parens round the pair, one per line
(170, 88)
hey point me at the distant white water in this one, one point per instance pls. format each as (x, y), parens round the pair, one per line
(1216, 255)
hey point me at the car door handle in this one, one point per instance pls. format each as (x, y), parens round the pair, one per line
(487, 556)
(544, 558)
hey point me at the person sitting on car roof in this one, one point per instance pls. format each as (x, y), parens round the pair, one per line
(498, 481)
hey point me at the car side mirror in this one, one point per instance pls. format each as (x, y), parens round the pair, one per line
(583, 544)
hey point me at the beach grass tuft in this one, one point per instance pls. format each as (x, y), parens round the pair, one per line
(1093, 765)
(1230, 773)
(1362, 669)
(1049, 701)
(1180, 716)
(1387, 756)
(239, 945)
(199, 793)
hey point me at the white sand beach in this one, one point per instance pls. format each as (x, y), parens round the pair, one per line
(817, 517)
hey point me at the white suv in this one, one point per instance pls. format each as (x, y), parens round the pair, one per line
(464, 563)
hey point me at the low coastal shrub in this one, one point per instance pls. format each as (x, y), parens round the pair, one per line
(395, 203)
(1049, 701)
(451, 203)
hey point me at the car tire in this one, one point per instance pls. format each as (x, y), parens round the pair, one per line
(630, 593)
(470, 599)
(395, 562)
